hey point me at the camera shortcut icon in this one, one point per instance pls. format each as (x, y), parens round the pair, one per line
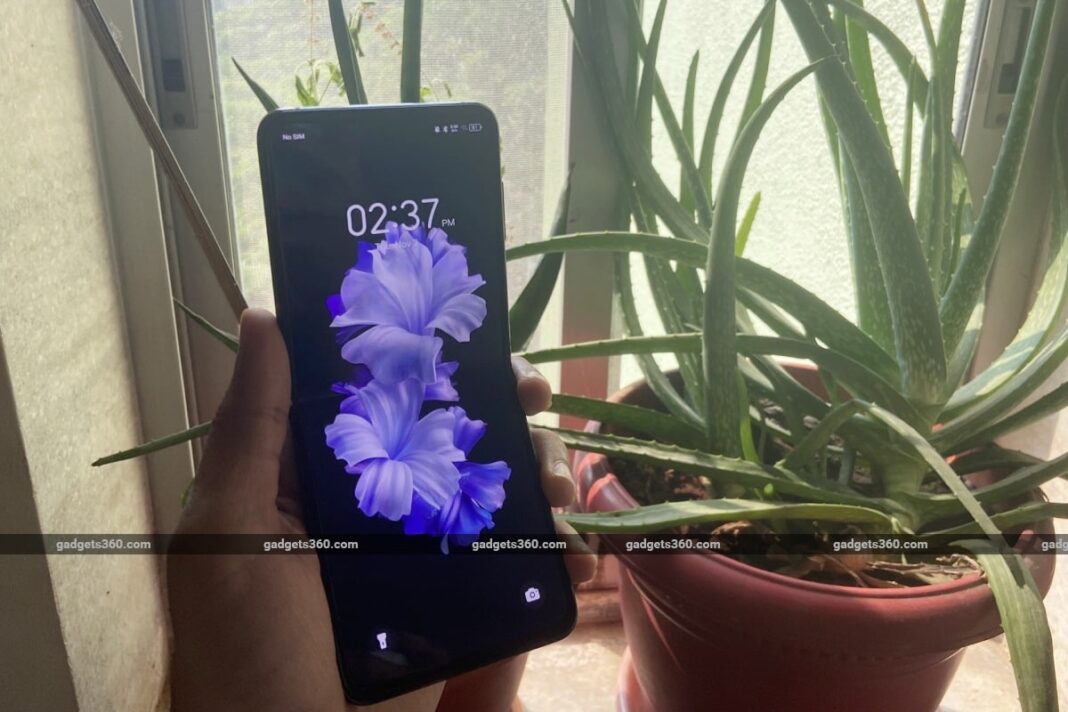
(532, 594)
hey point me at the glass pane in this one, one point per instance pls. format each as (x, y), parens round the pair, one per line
(799, 230)
(510, 56)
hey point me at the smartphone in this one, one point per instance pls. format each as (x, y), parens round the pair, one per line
(385, 228)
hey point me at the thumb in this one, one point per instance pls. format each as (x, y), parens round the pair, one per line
(241, 460)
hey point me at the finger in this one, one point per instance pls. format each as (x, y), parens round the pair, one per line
(289, 500)
(581, 563)
(241, 461)
(535, 393)
(556, 480)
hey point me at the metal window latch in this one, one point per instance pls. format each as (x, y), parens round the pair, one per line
(169, 51)
(1004, 73)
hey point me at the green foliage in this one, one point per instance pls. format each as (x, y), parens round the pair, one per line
(894, 403)
(346, 40)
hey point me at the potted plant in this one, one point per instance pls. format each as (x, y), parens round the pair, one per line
(881, 436)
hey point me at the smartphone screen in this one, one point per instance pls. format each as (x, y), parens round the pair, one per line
(386, 236)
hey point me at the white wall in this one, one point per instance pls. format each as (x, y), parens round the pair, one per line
(62, 331)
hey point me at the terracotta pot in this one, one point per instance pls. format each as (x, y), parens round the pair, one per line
(711, 633)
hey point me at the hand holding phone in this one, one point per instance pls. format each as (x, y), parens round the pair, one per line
(254, 632)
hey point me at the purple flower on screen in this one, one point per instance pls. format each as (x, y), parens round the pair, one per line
(440, 390)
(400, 293)
(397, 304)
(479, 494)
(395, 452)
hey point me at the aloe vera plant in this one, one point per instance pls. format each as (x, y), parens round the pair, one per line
(898, 404)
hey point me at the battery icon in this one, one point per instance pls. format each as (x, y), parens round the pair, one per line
(474, 128)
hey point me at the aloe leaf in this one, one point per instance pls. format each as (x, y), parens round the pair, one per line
(668, 294)
(1045, 406)
(899, 53)
(970, 277)
(224, 337)
(1044, 318)
(1009, 394)
(673, 302)
(928, 28)
(949, 34)
(914, 311)
(746, 225)
(654, 376)
(792, 396)
(1060, 172)
(773, 317)
(906, 140)
(685, 196)
(197, 431)
(758, 80)
(993, 457)
(852, 374)
(303, 95)
(962, 358)
(667, 515)
(743, 424)
(930, 456)
(855, 376)
(820, 319)
(346, 54)
(957, 236)
(647, 83)
(939, 234)
(652, 423)
(722, 407)
(1023, 618)
(1021, 482)
(627, 346)
(682, 147)
(719, 102)
(802, 454)
(1027, 346)
(525, 314)
(719, 468)
(926, 200)
(266, 101)
(863, 71)
(597, 53)
(588, 51)
(873, 310)
(666, 248)
(1025, 514)
(411, 49)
